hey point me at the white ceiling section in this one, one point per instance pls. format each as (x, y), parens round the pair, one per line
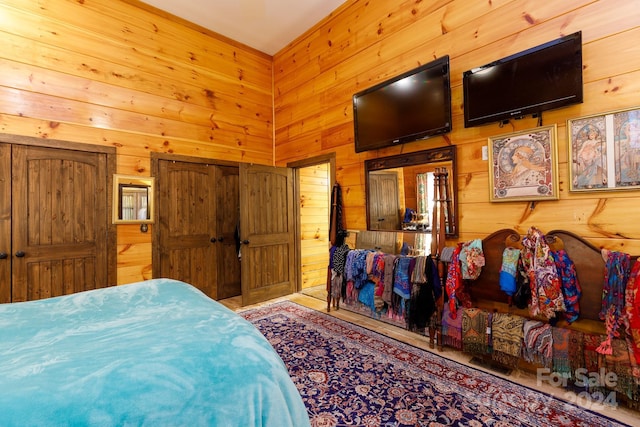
(265, 25)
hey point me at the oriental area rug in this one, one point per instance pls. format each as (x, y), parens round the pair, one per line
(351, 376)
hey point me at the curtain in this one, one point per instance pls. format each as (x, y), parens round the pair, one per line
(422, 190)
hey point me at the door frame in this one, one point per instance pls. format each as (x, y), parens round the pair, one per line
(312, 161)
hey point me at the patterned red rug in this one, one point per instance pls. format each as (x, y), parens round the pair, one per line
(351, 376)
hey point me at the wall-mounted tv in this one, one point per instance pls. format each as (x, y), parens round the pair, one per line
(542, 78)
(412, 106)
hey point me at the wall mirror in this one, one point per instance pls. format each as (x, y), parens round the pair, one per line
(400, 191)
(132, 199)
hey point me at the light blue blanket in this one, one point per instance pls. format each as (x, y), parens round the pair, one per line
(154, 353)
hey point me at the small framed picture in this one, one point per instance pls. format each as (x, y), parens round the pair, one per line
(524, 165)
(604, 151)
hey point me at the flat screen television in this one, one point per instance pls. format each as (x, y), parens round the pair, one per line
(414, 105)
(542, 78)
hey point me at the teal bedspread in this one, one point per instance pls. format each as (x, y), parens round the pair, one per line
(154, 353)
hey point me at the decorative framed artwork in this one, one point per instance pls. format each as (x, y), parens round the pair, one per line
(524, 165)
(604, 151)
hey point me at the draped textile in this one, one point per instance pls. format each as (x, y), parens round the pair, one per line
(377, 277)
(576, 350)
(561, 362)
(592, 359)
(571, 290)
(618, 362)
(389, 265)
(339, 258)
(546, 292)
(471, 259)
(356, 267)
(454, 282)
(422, 191)
(474, 331)
(538, 342)
(337, 230)
(507, 333)
(508, 270)
(632, 312)
(402, 276)
(451, 329)
(616, 275)
(422, 305)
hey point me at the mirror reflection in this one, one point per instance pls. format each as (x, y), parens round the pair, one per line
(132, 199)
(405, 191)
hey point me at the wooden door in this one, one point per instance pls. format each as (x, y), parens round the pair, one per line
(267, 232)
(60, 222)
(227, 222)
(5, 223)
(187, 224)
(384, 215)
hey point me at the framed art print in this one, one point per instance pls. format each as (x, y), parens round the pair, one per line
(523, 165)
(604, 150)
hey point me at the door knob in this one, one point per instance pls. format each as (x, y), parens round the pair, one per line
(20, 254)
(3, 255)
(220, 239)
(245, 242)
(212, 240)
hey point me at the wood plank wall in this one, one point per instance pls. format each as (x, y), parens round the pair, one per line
(314, 184)
(365, 42)
(122, 74)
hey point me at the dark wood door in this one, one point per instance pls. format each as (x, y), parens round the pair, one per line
(187, 224)
(227, 222)
(5, 223)
(384, 214)
(267, 231)
(60, 221)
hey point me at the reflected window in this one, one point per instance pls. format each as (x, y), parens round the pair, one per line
(132, 199)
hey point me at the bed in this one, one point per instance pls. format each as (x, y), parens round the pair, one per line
(157, 352)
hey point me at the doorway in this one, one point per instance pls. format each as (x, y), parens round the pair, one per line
(314, 179)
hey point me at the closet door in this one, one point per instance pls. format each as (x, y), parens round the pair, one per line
(60, 222)
(187, 224)
(267, 231)
(5, 223)
(227, 221)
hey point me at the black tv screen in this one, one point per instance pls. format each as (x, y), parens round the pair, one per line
(412, 106)
(542, 78)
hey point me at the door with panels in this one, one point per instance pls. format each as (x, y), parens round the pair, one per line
(198, 213)
(226, 229)
(56, 235)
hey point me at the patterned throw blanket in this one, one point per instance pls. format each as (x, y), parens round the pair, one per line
(474, 330)
(507, 333)
(561, 360)
(451, 329)
(592, 359)
(538, 343)
(620, 363)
